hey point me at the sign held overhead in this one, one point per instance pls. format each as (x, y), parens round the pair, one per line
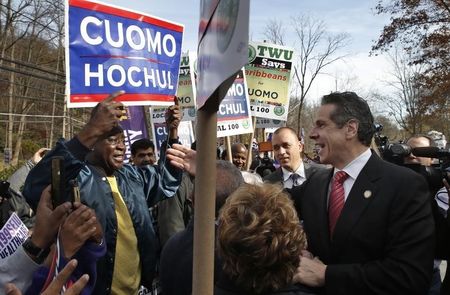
(112, 49)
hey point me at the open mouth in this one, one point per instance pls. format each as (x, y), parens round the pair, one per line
(118, 158)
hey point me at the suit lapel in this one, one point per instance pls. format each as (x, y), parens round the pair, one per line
(307, 170)
(364, 190)
(314, 209)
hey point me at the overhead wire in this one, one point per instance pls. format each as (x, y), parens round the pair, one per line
(37, 99)
(43, 116)
(18, 121)
(38, 76)
(31, 115)
(33, 66)
(32, 87)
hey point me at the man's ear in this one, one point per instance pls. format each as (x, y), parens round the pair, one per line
(302, 146)
(352, 127)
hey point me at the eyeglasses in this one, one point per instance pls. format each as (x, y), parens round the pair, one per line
(115, 140)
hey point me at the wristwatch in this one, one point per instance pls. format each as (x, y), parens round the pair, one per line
(36, 252)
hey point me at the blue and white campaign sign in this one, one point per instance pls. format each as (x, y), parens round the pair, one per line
(233, 116)
(158, 115)
(12, 235)
(110, 49)
(185, 134)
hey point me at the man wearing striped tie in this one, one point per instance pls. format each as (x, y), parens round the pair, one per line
(288, 149)
(369, 224)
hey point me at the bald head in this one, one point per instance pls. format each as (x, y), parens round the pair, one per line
(287, 148)
(229, 178)
(285, 130)
(239, 155)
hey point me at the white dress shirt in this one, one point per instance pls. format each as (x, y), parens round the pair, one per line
(353, 169)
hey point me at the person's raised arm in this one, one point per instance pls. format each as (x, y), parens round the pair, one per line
(17, 179)
(173, 117)
(165, 182)
(105, 116)
(183, 158)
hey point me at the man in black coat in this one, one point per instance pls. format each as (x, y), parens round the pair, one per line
(287, 150)
(371, 229)
(177, 255)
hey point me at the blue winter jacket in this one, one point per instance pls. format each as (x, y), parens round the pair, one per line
(139, 187)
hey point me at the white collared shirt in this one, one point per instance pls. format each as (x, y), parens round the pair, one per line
(287, 180)
(353, 169)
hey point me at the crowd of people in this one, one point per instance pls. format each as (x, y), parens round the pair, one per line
(352, 223)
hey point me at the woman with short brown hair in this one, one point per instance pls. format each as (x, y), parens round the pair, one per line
(260, 240)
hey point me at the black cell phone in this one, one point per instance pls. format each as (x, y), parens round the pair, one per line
(58, 188)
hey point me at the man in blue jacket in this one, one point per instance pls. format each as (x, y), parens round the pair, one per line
(120, 194)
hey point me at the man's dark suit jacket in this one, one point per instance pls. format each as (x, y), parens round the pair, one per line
(443, 244)
(383, 242)
(277, 175)
(176, 263)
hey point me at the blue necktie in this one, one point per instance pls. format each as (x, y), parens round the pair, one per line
(295, 177)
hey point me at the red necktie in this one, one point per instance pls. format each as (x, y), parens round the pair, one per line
(337, 199)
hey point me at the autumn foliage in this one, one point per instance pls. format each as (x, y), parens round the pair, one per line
(422, 27)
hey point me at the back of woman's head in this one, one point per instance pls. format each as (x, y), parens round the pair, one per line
(260, 238)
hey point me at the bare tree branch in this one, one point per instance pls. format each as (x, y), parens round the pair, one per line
(316, 50)
(275, 32)
(404, 102)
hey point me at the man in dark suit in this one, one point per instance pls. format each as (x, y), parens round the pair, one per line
(368, 222)
(287, 150)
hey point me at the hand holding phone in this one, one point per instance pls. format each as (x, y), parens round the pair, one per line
(58, 191)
